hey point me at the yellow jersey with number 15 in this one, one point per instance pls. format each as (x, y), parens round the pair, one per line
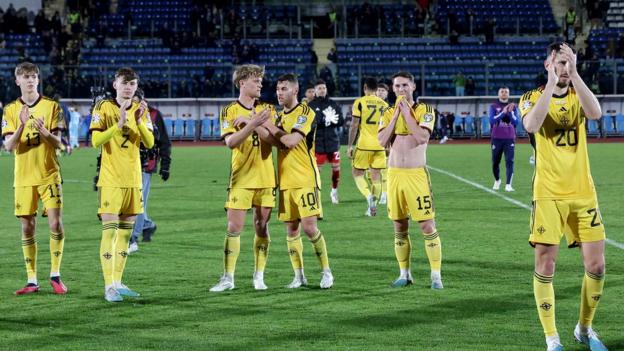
(35, 160)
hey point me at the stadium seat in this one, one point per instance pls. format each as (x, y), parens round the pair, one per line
(169, 126)
(520, 131)
(485, 127)
(189, 129)
(609, 125)
(178, 130)
(619, 125)
(594, 127)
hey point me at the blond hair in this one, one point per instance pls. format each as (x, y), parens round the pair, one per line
(246, 71)
(26, 67)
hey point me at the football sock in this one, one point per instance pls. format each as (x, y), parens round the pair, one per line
(261, 252)
(320, 249)
(57, 243)
(433, 247)
(545, 301)
(377, 189)
(335, 178)
(56, 279)
(384, 180)
(29, 248)
(231, 251)
(295, 251)
(402, 249)
(362, 185)
(590, 296)
(107, 252)
(121, 249)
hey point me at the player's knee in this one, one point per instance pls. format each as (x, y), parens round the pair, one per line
(234, 227)
(56, 226)
(310, 229)
(427, 227)
(596, 266)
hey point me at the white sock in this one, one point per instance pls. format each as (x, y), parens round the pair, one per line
(582, 329)
(117, 285)
(108, 287)
(299, 273)
(327, 270)
(33, 281)
(230, 276)
(405, 273)
(54, 274)
(435, 275)
(553, 340)
(259, 275)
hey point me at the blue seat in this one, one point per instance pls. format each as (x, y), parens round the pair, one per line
(593, 127)
(178, 130)
(609, 125)
(169, 126)
(485, 127)
(520, 131)
(619, 124)
(189, 130)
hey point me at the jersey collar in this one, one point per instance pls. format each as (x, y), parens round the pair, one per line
(562, 95)
(292, 109)
(118, 105)
(34, 104)
(245, 107)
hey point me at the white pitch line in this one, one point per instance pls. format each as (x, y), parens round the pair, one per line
(506, 198)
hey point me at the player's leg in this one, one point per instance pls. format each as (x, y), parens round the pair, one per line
(238, 202)
(375, 176)
(545, 257)
(509, 151)
(359, 176)
(587, 222)
(26, 200)
(262, 240)
(310, 228)
(497, 153)
(295, 252)
(548, 218)
(335, 165)
(52, 198)
(126, 224)
(110, 224)
(402, 251)
(433, 248)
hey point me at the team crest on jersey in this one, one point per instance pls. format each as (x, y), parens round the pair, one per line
(300, 121)
(527, 104)
(226, 125)
(96, 118)
(4, 123)
(428, 117)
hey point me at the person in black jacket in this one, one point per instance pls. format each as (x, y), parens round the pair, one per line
(328, 120)
(160, 153)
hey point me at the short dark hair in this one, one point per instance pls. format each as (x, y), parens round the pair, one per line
(26, 67)
(127, 74)
(556, 47)
(288, 77)
(383, 86)
(309, 86)
(404, 74)
(370, 83)
(319, 82)
(504, 87)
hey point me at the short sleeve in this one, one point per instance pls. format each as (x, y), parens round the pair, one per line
(304, 121)
(528, 100)
(386, 118)
(98, 118)
(356, 110)
(227, 121)
(8, 122)
(58, 118)
(425, 115)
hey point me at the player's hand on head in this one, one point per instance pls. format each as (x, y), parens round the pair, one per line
(24, 114)
(550, 68)
(570, 57)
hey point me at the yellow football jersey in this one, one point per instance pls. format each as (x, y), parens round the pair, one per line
(252, 160)
(369, 110)
(561, 162)
(35, 160)
(297, 166)
(423, 113)
(121, 162)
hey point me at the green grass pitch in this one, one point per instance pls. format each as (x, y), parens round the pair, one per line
(487, 303)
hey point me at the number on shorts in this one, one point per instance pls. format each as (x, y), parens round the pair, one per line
(52, 191)
(311, 200)
(426, 200)
(594, 213)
